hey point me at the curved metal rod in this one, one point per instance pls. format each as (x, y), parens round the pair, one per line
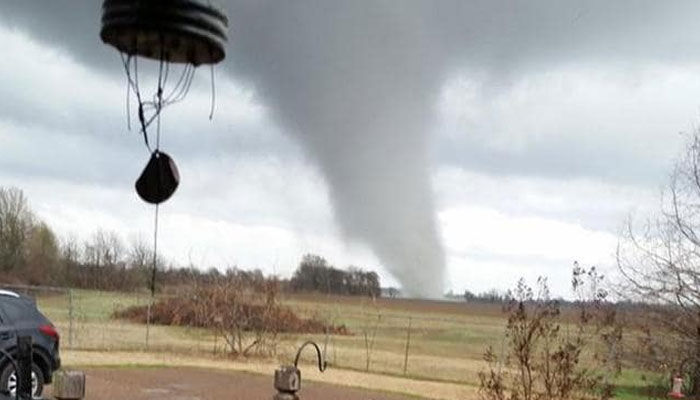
(10, 358)
(322, 364)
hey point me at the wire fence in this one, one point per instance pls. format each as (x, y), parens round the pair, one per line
(413, 344)
(418, 344)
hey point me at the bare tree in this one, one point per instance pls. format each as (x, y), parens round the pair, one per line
(102, 255)
(69, 261)
(41, 255)
(15, 223)
(140, 255)
(140, 261)
(660, 263)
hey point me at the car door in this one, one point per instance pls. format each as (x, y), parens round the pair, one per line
(8, 335)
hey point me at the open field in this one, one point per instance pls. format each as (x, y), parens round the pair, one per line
(446, 340)
(405, 340)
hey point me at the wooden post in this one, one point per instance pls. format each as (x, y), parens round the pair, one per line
(408, 344)
(148, 323)
(70, 318)
(287, 382)
(69, 385)
(24, 366)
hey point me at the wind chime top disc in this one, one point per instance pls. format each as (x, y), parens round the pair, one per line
(178, 31)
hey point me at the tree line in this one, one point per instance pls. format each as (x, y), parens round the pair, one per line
(316, 275)
(31, 253)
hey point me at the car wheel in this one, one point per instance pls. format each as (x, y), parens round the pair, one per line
(8, 380)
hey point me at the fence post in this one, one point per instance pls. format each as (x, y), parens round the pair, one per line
(335, 350)
(70, 318)
(148, 323)
(23, 390)
(408, 344)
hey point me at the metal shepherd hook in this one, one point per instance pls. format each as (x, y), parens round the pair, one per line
(322, 364)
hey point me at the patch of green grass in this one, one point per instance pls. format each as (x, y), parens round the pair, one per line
(635, 384)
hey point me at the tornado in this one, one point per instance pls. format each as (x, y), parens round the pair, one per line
(356, 87)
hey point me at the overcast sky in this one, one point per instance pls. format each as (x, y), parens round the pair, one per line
(516, 136)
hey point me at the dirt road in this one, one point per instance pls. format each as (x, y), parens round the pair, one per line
(204, 384)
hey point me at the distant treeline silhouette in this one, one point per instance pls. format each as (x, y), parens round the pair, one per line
(316, 275)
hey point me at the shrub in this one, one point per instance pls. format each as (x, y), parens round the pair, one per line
(543, 360)
(245, 312)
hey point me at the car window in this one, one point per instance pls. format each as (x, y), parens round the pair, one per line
(17, 310)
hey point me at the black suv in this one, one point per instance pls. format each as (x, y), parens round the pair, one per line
(19, 316)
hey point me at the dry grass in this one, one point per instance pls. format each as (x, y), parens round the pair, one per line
(448, 340)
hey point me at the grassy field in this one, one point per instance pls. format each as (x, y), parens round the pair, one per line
(445, 341)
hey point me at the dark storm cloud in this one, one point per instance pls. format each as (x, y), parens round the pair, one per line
(493, 35)
(423, 42)
(561, 157)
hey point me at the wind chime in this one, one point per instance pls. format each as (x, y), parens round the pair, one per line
(178, 35)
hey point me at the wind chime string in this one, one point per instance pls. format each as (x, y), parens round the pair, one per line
(156, 106)
(130, 30)
(155, 255)
(126, 61)
(149, 111)
(158, 100)
(159, 105)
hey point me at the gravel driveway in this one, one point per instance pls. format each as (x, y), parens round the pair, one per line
(203, 384)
